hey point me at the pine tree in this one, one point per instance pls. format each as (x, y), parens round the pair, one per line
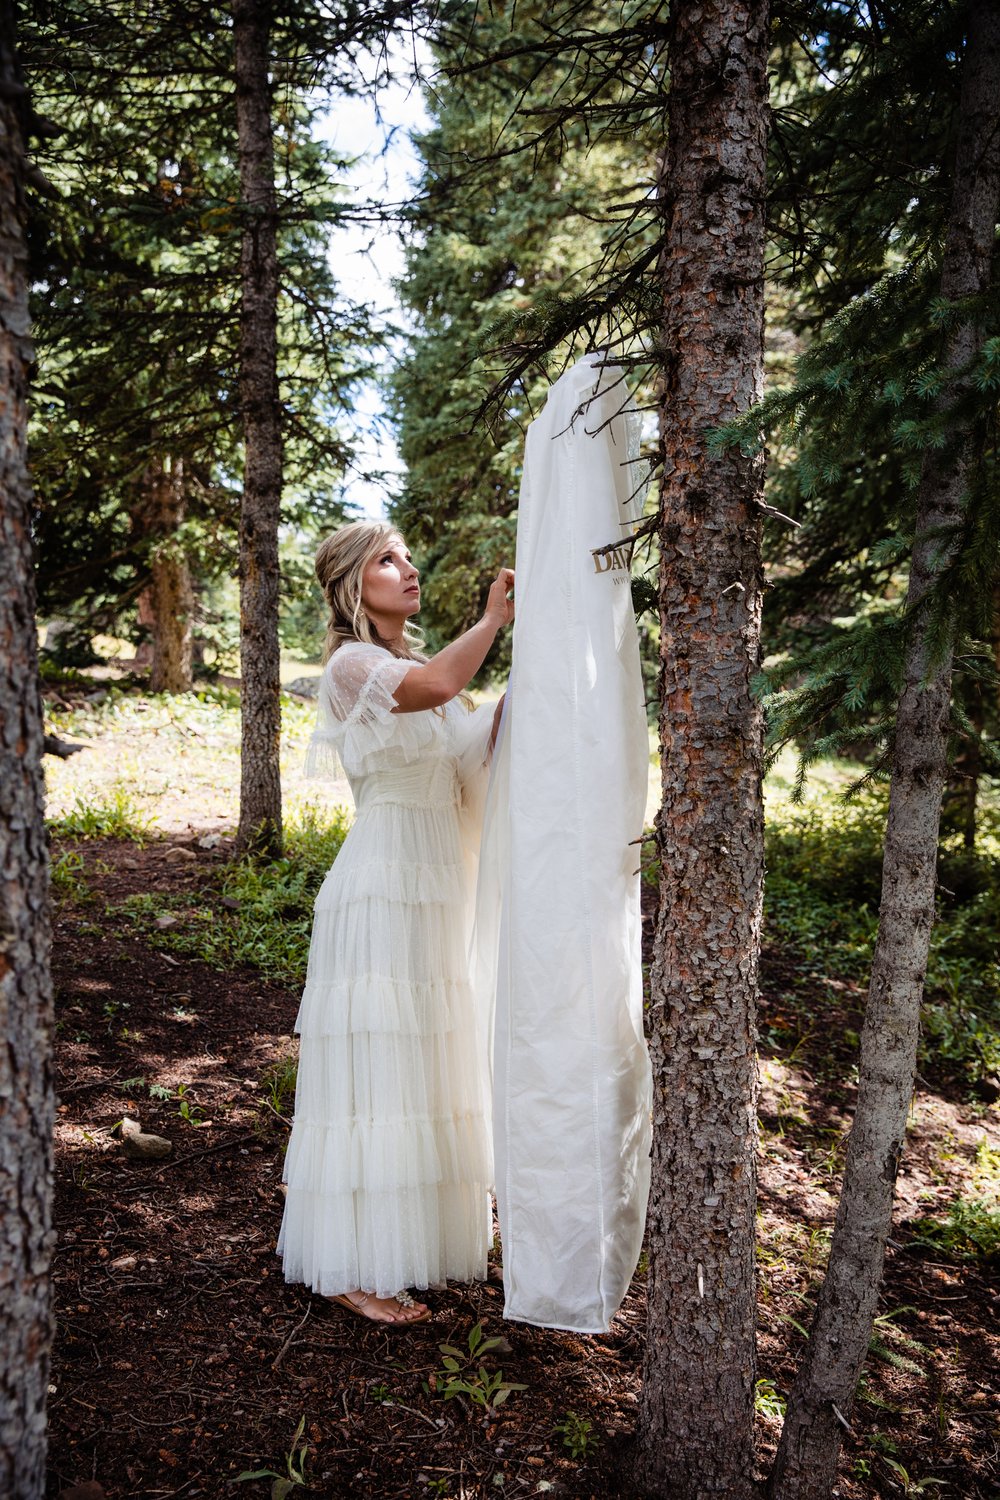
(821, 1400)
(696, 1416)
(136, 300)
(858, 205)
(504, 221)
(26, 1094)
(260, 787)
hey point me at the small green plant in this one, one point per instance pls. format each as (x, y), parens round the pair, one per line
(187, 1108)
(877, 1345)
(577, 1434)
(767, 1402)
(379, 1394)
(81, 1177)
(883, 1444)
(117, 818)
(279, 1084)
(295, 1468)
(907, 1484)
(971, 1231)
(463, 1375)
(67, 876)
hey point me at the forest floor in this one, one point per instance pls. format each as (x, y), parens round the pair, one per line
(182, 1359)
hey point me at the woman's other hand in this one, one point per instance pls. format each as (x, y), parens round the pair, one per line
(498, 607)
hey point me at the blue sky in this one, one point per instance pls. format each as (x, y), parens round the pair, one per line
(367, 258)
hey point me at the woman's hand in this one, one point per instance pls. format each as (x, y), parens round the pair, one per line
(499, 608)
(437, 681)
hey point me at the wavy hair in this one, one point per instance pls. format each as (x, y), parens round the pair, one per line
(340, 565)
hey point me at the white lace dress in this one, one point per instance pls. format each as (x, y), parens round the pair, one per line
(389, 1164)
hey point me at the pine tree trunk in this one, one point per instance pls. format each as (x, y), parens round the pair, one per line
(167, 605)
(26, 1097)
(696, 1418)
(260, 787)
(823, 1394)
(961, 794)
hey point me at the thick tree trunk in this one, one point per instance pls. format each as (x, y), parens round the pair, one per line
(260, 787)
(167, 605)
(696, 1417)
(26, 1100)
(822, 1398)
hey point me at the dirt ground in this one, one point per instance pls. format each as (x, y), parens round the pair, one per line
(182, 1359)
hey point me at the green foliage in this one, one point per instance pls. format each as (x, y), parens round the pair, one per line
(294, 1475)
(907, 1483)
(862, 207)
(136, 266)
(824, 867)
(117, 818)
(505, 222)
(969, 1231)
(279, 1084)
(462, 1374)
(67, 874)
(577, 1434)
(266, 917)
(767, 1402)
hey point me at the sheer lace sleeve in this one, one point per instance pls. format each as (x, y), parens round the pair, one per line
(356, 726)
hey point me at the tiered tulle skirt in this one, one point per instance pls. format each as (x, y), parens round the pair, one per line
(388, 1168)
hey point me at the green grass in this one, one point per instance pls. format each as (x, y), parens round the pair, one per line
(265, 915)
(824, 870)
(175, 756)
(118, 816)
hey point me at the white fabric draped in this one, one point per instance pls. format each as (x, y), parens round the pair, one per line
(572, 1089)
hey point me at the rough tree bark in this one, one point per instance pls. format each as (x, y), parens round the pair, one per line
(823, 1394)
(696, 1417)
(260, 786)
(167, 604)
(26, 1095)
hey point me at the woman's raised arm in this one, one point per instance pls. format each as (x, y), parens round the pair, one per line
(432, 683)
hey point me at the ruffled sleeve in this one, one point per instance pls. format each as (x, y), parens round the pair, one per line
(356, 725)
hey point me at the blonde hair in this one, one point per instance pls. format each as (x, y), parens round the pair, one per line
(340, 565)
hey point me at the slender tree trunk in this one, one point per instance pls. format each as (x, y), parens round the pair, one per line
(26, 1098)
(167, 605)
(961, 794)
(696, 1417)
(823, 1395)
(260, 787)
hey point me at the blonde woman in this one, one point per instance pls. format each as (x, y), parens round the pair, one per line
(389, 1165)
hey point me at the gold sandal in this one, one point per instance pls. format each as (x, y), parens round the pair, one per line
(402, 1298)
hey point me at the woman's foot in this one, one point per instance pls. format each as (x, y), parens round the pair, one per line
(397, 1310)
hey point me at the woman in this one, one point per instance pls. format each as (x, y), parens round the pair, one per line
(389, 1163)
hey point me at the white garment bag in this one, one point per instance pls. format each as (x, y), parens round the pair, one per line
(572, 1088)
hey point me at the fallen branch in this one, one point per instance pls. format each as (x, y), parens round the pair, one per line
(209, 1151)
(285, 1346)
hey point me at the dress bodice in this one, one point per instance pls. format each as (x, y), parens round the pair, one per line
(428, 782)
(424, 759)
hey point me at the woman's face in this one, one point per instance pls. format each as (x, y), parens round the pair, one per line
(390, 587)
